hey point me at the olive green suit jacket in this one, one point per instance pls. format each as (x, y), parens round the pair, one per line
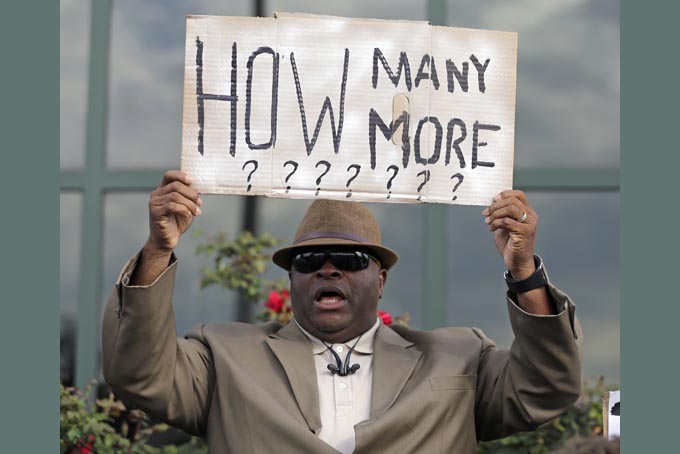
(252, 388)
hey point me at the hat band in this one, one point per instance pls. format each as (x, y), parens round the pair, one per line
(331, 234)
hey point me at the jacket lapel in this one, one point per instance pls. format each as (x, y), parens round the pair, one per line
(394, 359)
(292, 349)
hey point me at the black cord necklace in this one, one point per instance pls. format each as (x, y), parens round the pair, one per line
(343, 369)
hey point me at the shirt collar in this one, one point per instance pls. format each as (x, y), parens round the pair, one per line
(365, 344)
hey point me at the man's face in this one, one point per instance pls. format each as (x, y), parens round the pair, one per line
(335, 305)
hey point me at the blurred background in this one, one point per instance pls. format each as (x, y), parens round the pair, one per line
(121, 102)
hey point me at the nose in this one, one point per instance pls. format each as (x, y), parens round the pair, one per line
(328, 270)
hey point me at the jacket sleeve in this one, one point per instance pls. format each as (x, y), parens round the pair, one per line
(537, 379)
(144, 362)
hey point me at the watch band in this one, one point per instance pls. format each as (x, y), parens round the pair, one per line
(538, 279)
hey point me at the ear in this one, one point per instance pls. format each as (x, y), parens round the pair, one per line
(382, 279)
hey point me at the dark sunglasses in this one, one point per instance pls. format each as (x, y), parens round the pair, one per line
(309, 262)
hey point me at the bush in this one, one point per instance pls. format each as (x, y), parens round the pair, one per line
(238, 264)
(107, 427)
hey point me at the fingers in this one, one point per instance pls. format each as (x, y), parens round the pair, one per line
(510, 206)
(176, 175)
(514, 239)
(175, 200)
(172, 207)
(175, 188)
(512, 193)
(176, 209)
(509, 224)
(512, 197)
(510, 211)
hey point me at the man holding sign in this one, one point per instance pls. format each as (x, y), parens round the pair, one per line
(336, 379)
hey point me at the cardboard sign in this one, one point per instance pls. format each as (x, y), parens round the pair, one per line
(611, 413)
(315, 106)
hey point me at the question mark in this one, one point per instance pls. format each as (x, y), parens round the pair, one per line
(352, 166)
(389, 182)
(295, 166)
(318, 180)
(425, 180)
(460, 181)
(254, 162)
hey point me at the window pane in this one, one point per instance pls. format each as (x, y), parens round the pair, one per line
(74, 34)
(70, 211)
(578, 238)
(568, 80)
(404, 287)
(147, 79)
(147, 70)
(377, 9)
(125, 231)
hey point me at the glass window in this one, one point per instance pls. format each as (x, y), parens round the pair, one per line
(404, 287)
(147, 69)
(125, 232)
(578, 237)
(70, 212)
(147, 79)
(568, 81)
(380, 9)
(403, 230)
(74, 34)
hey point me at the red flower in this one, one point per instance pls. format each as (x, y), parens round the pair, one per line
(275, 301)
(386, 317)
(91, 438)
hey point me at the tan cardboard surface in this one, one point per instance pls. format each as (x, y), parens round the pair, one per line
(305, 106)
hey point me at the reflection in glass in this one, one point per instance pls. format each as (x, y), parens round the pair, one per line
(147, 79)
(567, 108)
(578, 238)
(74, 21)
(70, 211)
(377, 9)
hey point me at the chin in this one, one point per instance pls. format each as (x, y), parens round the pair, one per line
(330, 323)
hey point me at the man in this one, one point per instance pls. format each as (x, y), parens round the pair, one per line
(336, 379)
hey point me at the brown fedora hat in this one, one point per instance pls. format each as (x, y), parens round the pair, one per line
(337, 223)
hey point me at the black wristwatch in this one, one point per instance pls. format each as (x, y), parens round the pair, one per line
(538, 279)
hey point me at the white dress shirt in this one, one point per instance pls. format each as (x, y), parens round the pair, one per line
(344, 401)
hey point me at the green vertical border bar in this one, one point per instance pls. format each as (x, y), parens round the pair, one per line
(434, 304)
(95, 153)
(29, 269)
(650, 165)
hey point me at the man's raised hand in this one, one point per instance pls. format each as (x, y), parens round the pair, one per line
(513, 221)
(172, 207)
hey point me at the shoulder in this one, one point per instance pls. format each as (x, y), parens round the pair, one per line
(233, 332)
(448, 338)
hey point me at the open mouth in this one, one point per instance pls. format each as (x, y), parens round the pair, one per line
(329, 297)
